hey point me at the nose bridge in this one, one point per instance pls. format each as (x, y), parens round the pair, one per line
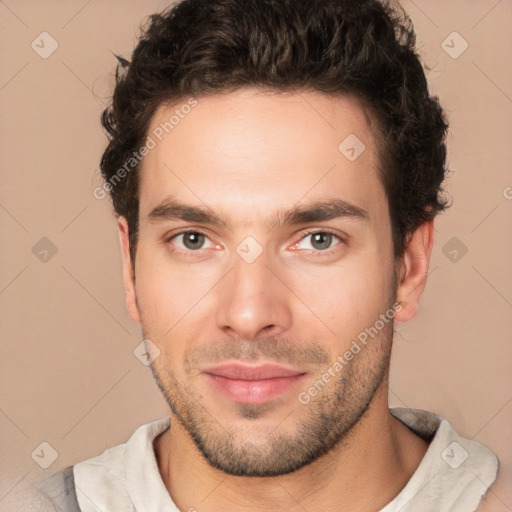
(251, 300)
(250, 277)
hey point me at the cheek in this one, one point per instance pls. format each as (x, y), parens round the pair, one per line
(168, 294)
(347, 296)
(163, 311)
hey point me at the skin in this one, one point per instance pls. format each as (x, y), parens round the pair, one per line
(246, 156)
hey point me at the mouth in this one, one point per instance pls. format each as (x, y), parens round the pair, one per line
(252, 384)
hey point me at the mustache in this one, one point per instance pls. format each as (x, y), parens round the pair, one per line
(274, 348)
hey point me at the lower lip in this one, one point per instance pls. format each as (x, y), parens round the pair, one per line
(253, 391)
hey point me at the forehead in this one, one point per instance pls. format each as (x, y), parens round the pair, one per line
(251, 153)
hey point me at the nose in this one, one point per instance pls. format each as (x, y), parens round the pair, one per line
(252, 301)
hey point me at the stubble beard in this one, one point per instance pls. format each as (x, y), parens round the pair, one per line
(321, 425)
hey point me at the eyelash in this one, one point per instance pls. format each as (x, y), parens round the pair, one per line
(323, 231)
(308, 233)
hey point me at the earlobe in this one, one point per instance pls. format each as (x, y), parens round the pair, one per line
(413, 270)
(128, 270)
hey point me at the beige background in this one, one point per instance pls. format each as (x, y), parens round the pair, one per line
(68, 373)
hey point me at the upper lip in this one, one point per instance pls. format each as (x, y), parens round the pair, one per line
(251, 372)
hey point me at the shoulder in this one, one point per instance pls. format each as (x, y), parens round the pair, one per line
(94, 476)
(114, 480)
(52, 494)
(59, 489)
(110, 481)
(493, 498)
(455, 472)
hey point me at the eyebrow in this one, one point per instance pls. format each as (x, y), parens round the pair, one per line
(319, 211)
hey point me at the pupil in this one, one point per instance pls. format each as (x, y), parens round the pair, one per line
(322, 240)
(193, 240)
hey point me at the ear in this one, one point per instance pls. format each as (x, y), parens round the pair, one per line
(413, 270)
(128, 270)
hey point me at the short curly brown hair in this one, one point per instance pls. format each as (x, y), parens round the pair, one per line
(362, 48)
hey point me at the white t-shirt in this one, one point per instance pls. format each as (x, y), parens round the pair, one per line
(453, 476)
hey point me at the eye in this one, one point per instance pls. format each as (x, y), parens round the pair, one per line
(191, 240)
(319, 241)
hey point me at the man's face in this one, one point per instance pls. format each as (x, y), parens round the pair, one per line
(248, 313)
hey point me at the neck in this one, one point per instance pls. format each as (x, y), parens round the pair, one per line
(363, 472)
